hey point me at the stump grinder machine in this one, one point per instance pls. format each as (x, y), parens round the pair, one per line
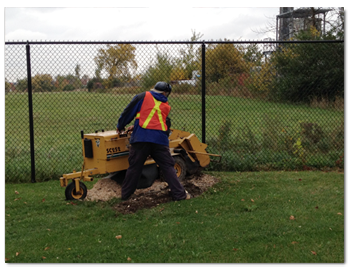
(106, 152)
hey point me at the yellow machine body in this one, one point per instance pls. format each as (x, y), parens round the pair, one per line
(108, 151)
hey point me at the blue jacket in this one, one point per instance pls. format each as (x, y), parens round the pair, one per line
(140, 134)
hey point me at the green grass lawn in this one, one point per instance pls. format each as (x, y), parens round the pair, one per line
(251, 217)
(250, 134)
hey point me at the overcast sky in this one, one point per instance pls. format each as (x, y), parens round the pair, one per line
(143, 22)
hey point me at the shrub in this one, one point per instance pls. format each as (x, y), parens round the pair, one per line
(68, 87)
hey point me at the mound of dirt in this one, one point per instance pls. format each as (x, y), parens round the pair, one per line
(106, 189)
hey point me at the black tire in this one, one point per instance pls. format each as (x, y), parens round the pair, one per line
(71, 193)
(180, 167)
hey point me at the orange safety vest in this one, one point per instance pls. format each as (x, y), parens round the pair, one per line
(153, 113)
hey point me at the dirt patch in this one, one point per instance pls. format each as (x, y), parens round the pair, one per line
(106, 189)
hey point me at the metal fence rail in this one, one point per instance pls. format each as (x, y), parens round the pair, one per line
(261, 105)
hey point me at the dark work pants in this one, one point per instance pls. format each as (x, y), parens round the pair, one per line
(160, 153)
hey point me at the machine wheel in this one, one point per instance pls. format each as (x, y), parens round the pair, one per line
(180, 168)
(71, 193)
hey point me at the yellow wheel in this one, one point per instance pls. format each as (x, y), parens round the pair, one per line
(72, 194)
(180, 168)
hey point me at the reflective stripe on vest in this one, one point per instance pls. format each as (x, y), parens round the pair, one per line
(153, 113)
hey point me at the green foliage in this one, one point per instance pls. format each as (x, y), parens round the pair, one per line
(253, 55)
(95, 83)
(223, 60)
(67, 83)
(276, 146)
(7, 86)
(68, 87)
(42, 83)
(160, 70)
(190, 55)
(117, 60)
(22, 85)
(303, 75)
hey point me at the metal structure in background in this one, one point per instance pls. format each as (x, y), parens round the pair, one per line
(259, 110)
(290, 21)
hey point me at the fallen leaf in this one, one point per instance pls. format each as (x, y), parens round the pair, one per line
(330, 229)
(129, 259)
(17, 199)
(316, 207)
(46, 248)
(72, 203)
(43, 257)
(292, 218)
(6, 259)
(43, 200)
(177, 222)
(118, 237)
(17, 253)
(242, 200)
(48, 229)
(16, 192)
(313, 252)
(252, 200)
(340, 214)
(294, 242)
(235, 249)
(196, 211)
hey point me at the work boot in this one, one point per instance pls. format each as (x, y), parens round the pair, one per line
(132, 196)
(188, 195)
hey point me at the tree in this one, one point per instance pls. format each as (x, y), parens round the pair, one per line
(117, 61)
(308, 71)
(190, 55)
(77, 71)
(252, 55)
(21, 85)
(336, 24)
(42, 83)
(160, 70)
(67, 82)
(7, 86)
(223, 60)
(178, 73)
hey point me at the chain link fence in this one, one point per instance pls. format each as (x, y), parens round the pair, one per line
(261, 105)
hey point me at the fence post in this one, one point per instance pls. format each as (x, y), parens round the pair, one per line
(30, 103)
(203, 92)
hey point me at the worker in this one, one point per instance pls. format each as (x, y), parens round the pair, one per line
(150, 138)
